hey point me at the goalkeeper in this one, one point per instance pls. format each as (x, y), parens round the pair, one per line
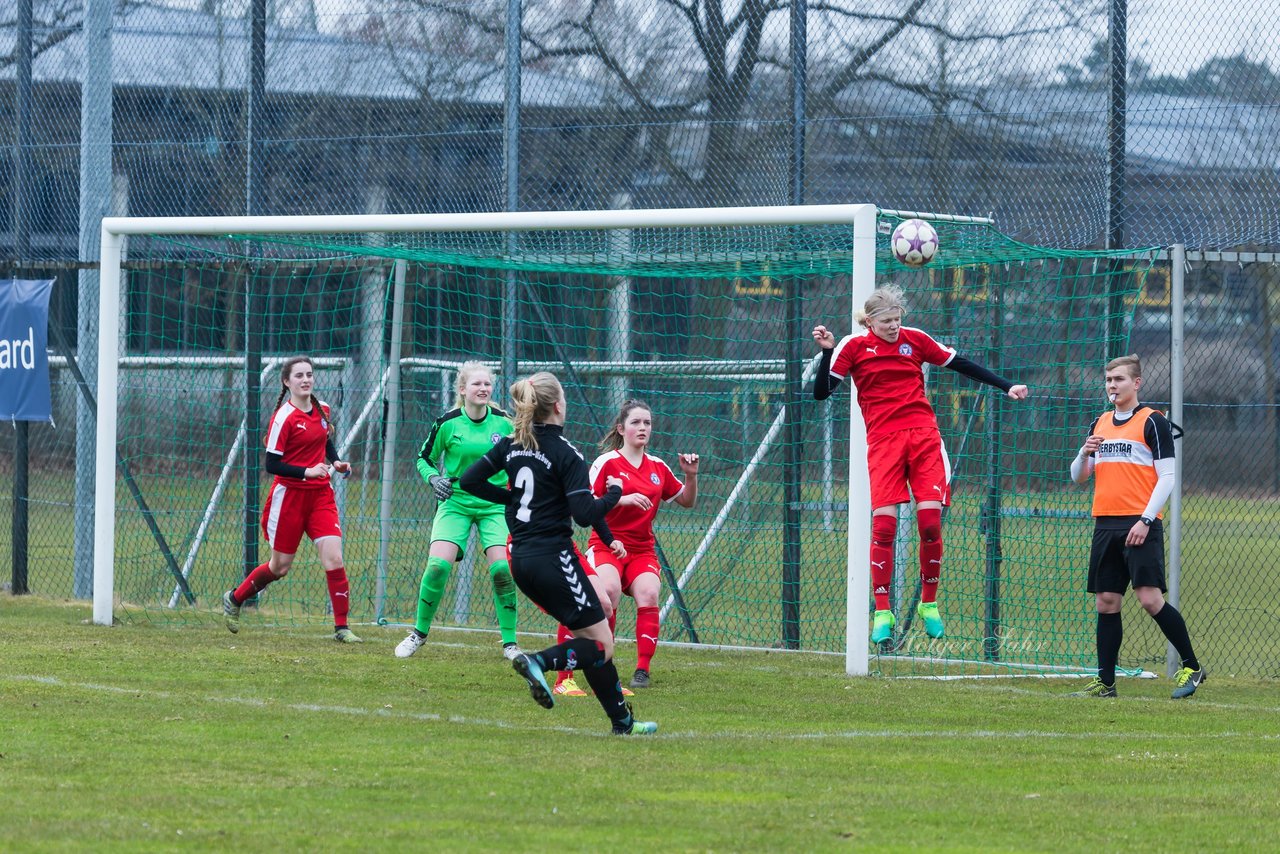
(457, 439)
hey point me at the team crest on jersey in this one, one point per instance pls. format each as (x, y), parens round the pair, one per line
(904, 349)
(495, 438)
(324, 425)
(653, 476)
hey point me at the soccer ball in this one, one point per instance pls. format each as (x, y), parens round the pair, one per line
(914, 242)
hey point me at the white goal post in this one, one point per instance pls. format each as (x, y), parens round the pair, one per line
(862, 218)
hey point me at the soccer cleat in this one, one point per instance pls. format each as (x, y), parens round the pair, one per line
(928, 612)
(1186, 681)
(526, 666)
(411, 644)
(230, 613)
(1097, 688)
(345, 635)
(627, 692)
(510, 651)
(568, 688)
(882, 626)
(631, 726)
(639, 679)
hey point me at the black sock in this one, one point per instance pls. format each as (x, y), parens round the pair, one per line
(573, 654)
(603, 679)
(1174, 627)
(1110, 634)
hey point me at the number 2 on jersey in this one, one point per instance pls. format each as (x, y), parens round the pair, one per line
(524, 482)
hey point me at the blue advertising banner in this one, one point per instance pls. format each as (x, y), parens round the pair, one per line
(24, 349)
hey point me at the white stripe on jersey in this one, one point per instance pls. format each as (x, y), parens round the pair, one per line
(599, 464)
(273, 514)
(840, 345)
(671, 472)
(277, 424)
(1124, 451)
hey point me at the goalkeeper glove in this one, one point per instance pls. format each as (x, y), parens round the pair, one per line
(441, 486)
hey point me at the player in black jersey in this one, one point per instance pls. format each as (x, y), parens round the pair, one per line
(549, 491)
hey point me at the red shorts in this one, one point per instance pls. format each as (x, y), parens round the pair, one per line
(629, 568)
(291, 511)
(912, 458)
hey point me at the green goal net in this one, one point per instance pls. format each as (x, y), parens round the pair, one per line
(709, 325)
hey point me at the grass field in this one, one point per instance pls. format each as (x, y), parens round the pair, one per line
(154, 737)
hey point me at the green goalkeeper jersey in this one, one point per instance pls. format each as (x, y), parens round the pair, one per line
(455, 442)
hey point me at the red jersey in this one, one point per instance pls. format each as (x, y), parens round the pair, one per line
(299, 438)
(890, 378)
(652, 478)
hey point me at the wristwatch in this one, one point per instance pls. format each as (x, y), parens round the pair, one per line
(1147, 520)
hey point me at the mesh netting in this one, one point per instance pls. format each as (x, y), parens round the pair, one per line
(703, 340)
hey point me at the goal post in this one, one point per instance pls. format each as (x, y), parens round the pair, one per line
(678, 306)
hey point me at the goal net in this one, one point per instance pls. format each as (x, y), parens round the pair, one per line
(703, 314)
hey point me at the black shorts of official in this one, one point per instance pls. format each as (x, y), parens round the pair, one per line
(558, 584)
(1113, 566)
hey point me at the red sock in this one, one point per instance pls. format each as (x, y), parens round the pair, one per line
(646, 635)
(930, 522)
(562, 635)
(613, 622)
(339, 595)
(254, 583)
(883, 531)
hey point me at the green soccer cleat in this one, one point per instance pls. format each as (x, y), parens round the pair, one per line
(1186, 681)
(631, 726)
(882, 626)
(1097, 688)
(345, 635)
(928, 612)
(230, 613)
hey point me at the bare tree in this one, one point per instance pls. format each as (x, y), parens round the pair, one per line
(690, 65)
(53, 22)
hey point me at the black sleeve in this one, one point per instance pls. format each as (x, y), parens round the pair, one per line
(331, 450)
(427, 451)
(586, 509)
(476, 478)
(823, 382)
(1092, 428)
(277, 466)
(1158, 434)
(974, 371)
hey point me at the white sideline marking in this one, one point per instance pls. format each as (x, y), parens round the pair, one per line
(432, 717)
(255, 702)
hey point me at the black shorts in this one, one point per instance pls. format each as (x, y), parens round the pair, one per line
(1113, 566)
(558, 584)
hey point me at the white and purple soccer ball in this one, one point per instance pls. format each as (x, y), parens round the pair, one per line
(914, 242)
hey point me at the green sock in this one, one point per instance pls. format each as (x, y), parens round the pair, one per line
(504, 599)
(432, 589)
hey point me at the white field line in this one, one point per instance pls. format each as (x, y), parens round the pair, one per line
(431, 717)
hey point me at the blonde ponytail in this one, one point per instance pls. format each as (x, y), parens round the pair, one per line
(535, 400)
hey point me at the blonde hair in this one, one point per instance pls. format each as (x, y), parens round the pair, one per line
(884, 300)
(465, 370)
(1132, 362)
(612, 439)
(535, 399)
